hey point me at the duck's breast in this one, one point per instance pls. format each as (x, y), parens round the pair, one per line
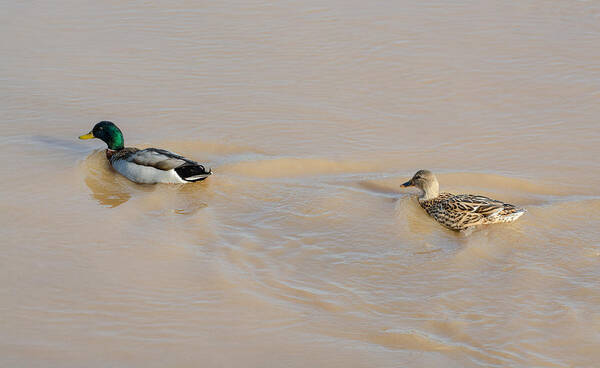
(145, 174)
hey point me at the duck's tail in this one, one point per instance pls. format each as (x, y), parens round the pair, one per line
(511, 213)
(193, 173)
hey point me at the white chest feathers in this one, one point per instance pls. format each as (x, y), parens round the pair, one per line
(146, 174)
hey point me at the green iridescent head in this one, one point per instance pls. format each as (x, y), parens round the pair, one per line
(109, 133)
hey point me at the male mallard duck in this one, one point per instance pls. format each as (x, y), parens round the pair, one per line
(458, 212)
(146, 166)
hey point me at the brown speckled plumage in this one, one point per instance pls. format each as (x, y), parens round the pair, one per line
(458, 212)
(126, 152)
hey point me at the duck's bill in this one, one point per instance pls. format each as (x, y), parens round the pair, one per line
(407, 184)
(90, 135)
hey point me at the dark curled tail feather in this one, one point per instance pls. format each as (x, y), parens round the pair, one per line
(191, 172)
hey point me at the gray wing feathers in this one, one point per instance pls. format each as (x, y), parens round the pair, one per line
(159, 159)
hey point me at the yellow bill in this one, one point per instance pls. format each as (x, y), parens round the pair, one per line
(90, 135)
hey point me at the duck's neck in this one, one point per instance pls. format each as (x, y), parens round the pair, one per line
(430, 191)
(113, 138)
(115, 143)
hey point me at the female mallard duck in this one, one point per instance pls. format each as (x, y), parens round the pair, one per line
(458, 212)
(146, 166)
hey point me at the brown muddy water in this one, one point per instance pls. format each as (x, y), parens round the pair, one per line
(301, 250)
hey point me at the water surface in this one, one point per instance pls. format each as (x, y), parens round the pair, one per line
(301, 250)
